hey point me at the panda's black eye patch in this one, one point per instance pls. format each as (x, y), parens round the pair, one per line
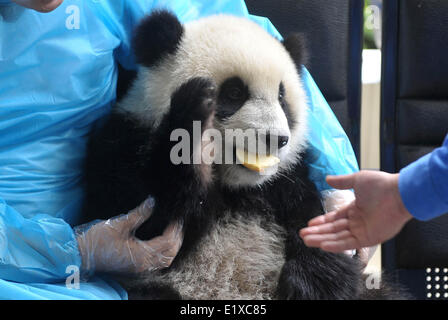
(281, 92)
(233, 93)
(285, 106)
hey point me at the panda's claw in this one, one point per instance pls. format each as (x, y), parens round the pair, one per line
(209, 103)
(195, 100)
(210, 92)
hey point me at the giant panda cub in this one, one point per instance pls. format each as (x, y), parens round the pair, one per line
(240, 219)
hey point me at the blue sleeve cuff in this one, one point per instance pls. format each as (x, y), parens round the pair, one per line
(419, 191)
(35, 250)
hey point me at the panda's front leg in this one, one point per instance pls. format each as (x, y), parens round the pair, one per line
(313, 274)
(177, 141)
(180, 188)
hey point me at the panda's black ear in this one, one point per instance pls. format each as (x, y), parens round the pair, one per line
(157, 35)
(295, 44)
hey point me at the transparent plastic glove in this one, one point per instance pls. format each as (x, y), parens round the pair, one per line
(111, 245)
(336, 199)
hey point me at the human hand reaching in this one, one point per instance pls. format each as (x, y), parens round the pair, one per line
(111, 245)
(376, 215)
(334, 200)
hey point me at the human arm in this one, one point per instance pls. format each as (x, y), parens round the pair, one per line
(423, 184)
(376, 215)
(333, 200)
(384, 203)
(111, 246)
(40, 249)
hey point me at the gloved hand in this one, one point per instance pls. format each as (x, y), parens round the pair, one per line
(336, 199)
(111, 246)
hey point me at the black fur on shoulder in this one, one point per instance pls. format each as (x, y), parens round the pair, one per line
(115, 167)
(156, 36)
(295, 44)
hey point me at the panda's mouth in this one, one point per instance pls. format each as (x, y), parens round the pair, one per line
(255, 162)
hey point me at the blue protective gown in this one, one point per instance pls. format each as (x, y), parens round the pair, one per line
(58, 75)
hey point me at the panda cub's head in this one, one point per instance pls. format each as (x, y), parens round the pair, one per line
(257, 79)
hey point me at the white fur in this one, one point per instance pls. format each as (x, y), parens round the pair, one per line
(241, 258)
(219, 47)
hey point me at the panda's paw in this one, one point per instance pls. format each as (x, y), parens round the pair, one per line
(195, 100)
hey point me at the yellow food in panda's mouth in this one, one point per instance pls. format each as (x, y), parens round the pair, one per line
(256, 162)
